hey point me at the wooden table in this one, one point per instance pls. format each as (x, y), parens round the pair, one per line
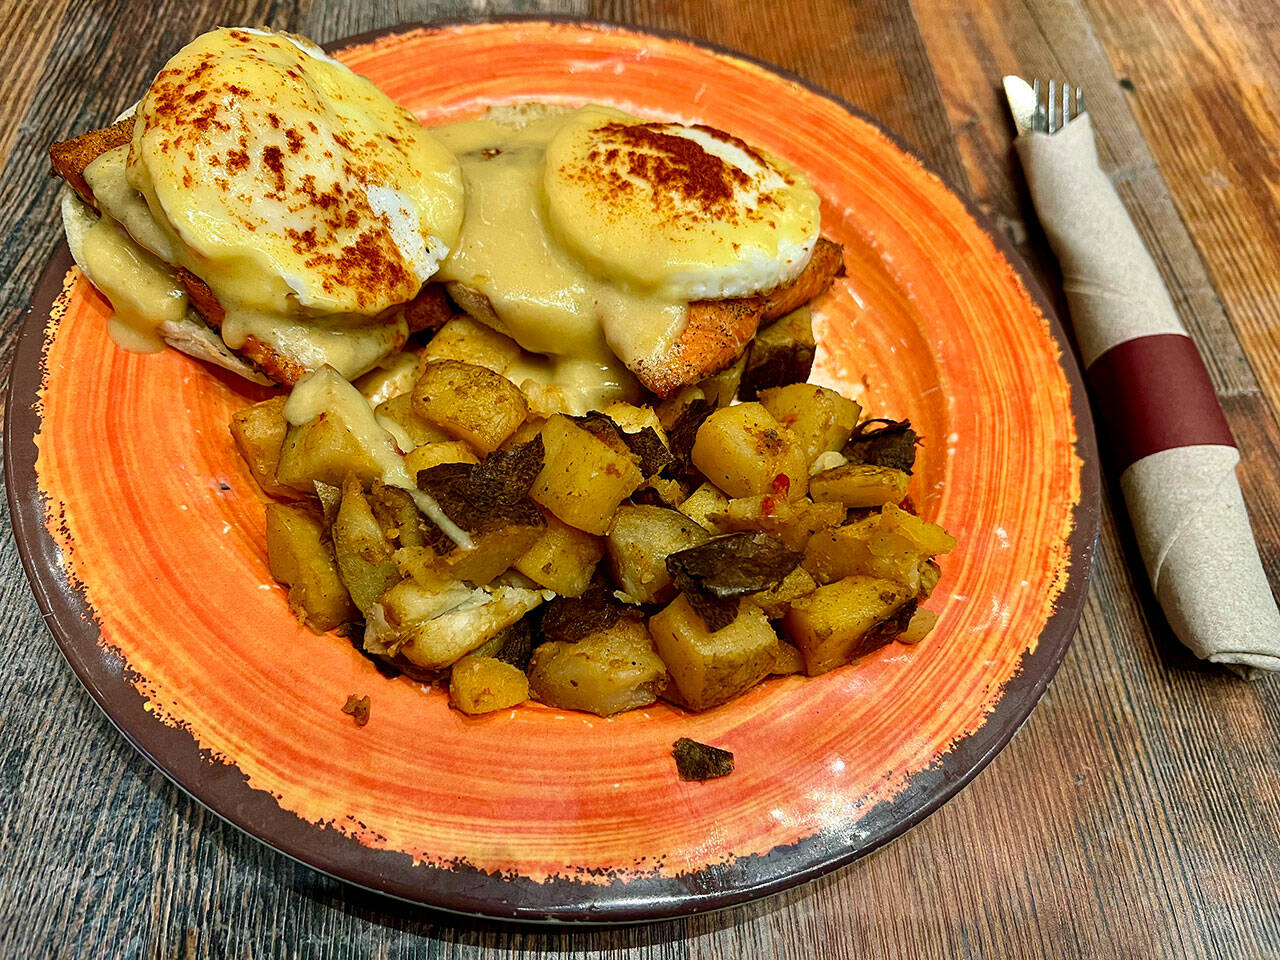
(1138, 812)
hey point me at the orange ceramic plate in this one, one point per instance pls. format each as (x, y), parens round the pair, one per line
(142, 534)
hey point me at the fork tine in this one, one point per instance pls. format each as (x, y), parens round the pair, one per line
(1079, 101)
(1052, 128)
(1066, 102)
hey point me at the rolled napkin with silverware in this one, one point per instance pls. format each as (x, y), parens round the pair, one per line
(1161, 422)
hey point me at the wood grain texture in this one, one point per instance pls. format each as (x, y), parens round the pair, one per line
(1136, 815)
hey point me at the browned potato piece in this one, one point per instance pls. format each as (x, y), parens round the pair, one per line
(483, 684)
(399, 419)
(361, 550)
(341, 438)
(433, 627)
(469, 402)
(820, 419)
(259, 431)
(300, 556)
(704, 506)
(494, 550)
(744, 451)
(793, 522)
(929, 538)
(562, 559)
(632, 419)
(788, 661)
(639, 542)
(921, 625)
(776, 602)
(860, 485)
(607, 672)
(781, 353)
(722, 388)
(583, 479)
(471, 342)
(847, 619)
(708, 669)
(891, 545)
(431, 454)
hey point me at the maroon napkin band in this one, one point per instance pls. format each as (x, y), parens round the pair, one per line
(1153, 393)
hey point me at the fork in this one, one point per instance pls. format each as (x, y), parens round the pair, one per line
(1052, 116)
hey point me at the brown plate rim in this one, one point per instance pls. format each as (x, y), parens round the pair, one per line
(224, 790)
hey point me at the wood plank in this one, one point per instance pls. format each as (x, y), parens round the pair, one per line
(26, 38)
(1201, 78)
(329, 20)
(973, 50)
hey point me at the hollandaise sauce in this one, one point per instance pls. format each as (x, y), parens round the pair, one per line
(589, 231)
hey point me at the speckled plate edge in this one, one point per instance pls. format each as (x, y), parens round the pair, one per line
(224, 790)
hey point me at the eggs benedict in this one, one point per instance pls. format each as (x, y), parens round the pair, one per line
(624, 249)
(265, 208)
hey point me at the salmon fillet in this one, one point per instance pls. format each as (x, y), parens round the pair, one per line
(719, 330)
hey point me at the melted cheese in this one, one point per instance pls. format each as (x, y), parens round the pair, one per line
(326, 391)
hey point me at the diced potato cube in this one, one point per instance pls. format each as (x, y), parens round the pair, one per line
(632, 419)
(891, 545)
(710, 668)
(470, 341)
(788, 661)
(820, 419)
(929, 538)
(583, 479)
(705, 505)
(300, 556)
(781, 353)
(864, 549)
(860, 485)
(259, 431)
(846, 620)
(639, 542)
(433, 627)
(744, 451)
(483, 684)
(921, 625)
(469, 402)
(360, 548)
(432, 454)
(563, 559)
(343, 437)
(791, 521)
(607, 672)
(494, 550)
(398, 418)
(776, 602)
